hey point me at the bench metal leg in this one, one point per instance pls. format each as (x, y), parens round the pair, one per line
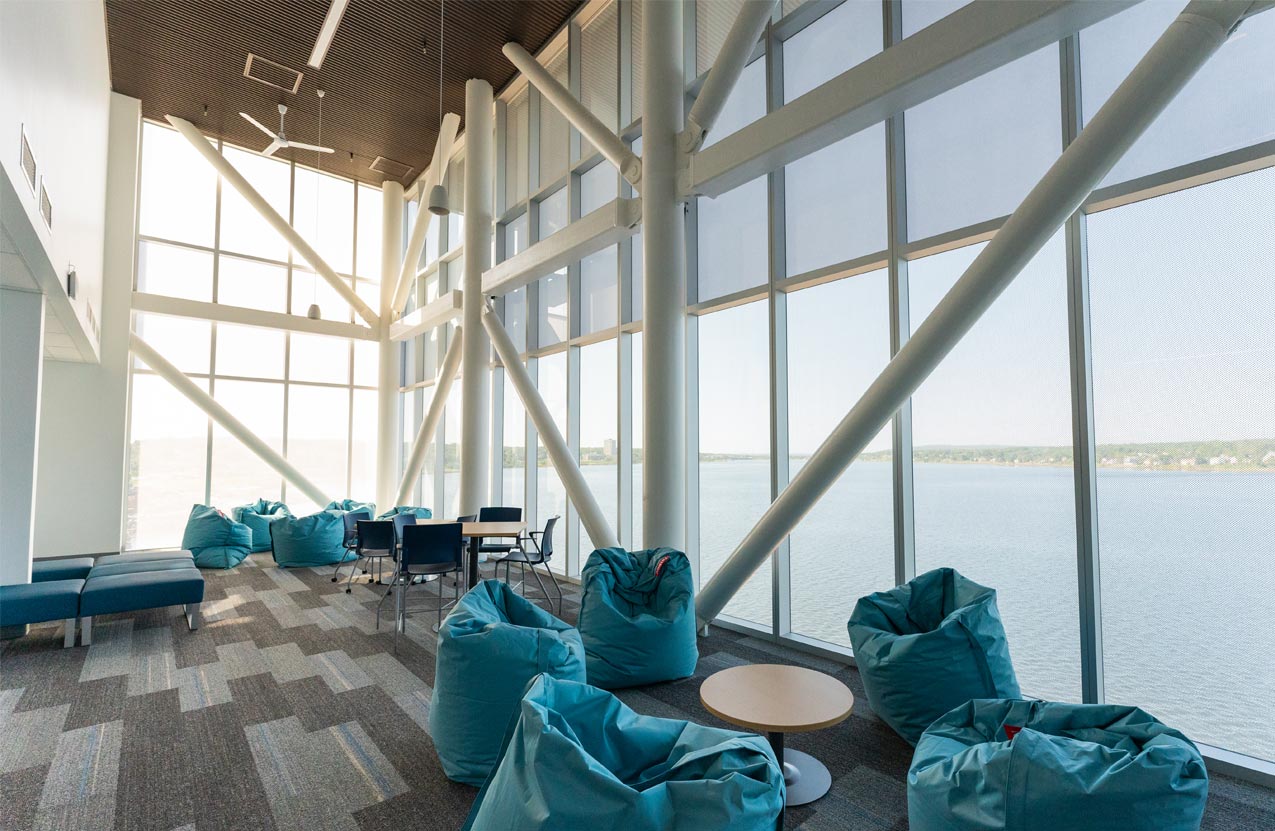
(86, 631)
(68, 634)
(192, 615)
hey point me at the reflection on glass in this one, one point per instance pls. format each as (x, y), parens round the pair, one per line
(552, 317)
(1184, 413)
(734, 457)
(994, 491)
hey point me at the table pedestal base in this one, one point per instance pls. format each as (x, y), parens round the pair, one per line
(805, 777)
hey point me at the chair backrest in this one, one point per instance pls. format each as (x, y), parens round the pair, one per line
(375, 535)
(546, 540)
(351, 521)
(467, 518)
(399, 521)
(433, 544)
(500, 514)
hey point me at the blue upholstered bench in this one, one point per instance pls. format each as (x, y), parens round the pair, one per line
(69, 568)
(52, 594)
(131, 582)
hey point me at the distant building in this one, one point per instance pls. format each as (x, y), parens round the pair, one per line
(608, 448)
(1269, 458)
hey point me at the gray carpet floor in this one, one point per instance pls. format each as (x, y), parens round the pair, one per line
(288, 710)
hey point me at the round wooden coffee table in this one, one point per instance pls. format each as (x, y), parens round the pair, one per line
(776, 699)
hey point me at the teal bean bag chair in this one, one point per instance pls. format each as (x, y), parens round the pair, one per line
(348, 505)
(314, 540)
(419, 513)
(578, 758)
(637, 617)
(489, 647)
(929, 646)
(257, 517)
(214, 539)
(1038, 765)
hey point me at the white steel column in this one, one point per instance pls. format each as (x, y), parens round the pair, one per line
(475, 381)
(663, 281)
(429, 423)
(222, 416)
(1189, 41)
(21, 373)
(595, 523)
(387, 377)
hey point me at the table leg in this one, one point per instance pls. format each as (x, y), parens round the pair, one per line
(472, 578)
(805, 777)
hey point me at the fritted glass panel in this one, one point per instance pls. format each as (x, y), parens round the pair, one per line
(516, 149)
(554, 131)
(599, 68)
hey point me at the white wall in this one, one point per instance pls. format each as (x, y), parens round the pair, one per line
(55, 81)
(83, 421)
(21, 356)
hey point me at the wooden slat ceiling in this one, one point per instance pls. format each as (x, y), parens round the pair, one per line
(381, 93)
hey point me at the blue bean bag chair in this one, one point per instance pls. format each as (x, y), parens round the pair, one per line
(314, 540)
(929, 646)
(419, 513)
(348, 505)
(214, 539)
(490, 646)
(1038, 765)
(577, 758)
(637, 617)
(257, 517)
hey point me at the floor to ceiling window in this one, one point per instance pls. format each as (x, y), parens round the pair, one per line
(307, 396)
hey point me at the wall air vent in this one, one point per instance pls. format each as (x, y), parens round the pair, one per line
(46, 207)
(28, 160)
(266, 71)
(390, 169)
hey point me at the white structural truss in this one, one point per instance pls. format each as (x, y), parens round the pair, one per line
(1189, 41)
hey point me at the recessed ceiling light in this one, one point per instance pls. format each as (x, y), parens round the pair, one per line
(335, 12)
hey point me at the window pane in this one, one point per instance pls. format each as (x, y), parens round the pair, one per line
(452, 432)
(367, 359)
(252, 285)
(178, 198)
(184, 342)
(553, 213)
(516, 236)
(516, 318)
(456, 196)
(638, 443)
(319, 358)
(250, 351)
(516, 149)
(239, 476)
(324, 215)
(308, 287)
(551, 497)
(713, 19)
(318, 438)
(745, 104)
(167, 458)
(174, 271)
(598, 187)
(834, 199)
(636, 263)
(599, 426)
(734, 457)
(839, 330)
(599, 291)
(554, 133)
(994, 491)
(599, 69)
(1226, 105)
(553, 309)
(371, 218)
(973, 153)
(243, 231)
(515, 441)
(1183, 318)
(363, 449)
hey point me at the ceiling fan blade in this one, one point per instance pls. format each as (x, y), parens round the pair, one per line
(255, 123)
(274, 145)
(296, 145)
(443, 148)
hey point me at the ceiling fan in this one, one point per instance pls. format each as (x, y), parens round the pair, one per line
(280, 140)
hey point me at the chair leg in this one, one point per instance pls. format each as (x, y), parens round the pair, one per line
(86, 631)
(68, 633)
(350, 579)
(390, 588)
(553, 577)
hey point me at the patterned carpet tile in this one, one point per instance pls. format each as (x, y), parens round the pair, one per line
(290, 710)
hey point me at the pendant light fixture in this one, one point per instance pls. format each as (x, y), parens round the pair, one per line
(437, 202)
(313, 312)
